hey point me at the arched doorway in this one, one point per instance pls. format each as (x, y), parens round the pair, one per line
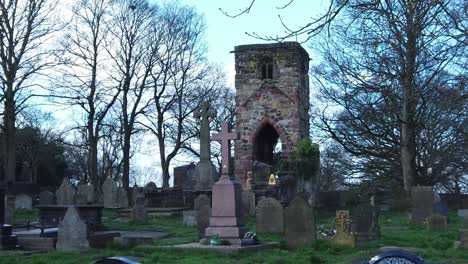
(265, 143)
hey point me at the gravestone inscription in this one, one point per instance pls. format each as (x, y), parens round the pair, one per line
(343, 235)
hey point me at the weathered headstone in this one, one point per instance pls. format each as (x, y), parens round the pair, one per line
(109, 190)
(46, 198)
(201, 200)
(9, 211)
(65, 193)
(72, 232)
(249, 182)
(365, 226)
(189, 217)
(139, 212)
(269, 217)
(437, 222)
(122, 198)
(84, 194)
(343, 235)
(151, 187)
(438, 206)
(421, 201)
(23, 201)
(248, 202)
(203, 219)
(205, 171)
(299, 224)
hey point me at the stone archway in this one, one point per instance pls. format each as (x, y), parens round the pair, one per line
(264, 144)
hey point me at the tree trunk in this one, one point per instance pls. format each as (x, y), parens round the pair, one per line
(9, 151)
(126, 166)
(93, 165)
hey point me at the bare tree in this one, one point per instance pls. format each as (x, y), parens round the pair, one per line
(179, 81)
(26, 29)
(85, 77)
(383, 64)
(133, 58)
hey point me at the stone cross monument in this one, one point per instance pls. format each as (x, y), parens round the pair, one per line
(227, 219)
(205, 171)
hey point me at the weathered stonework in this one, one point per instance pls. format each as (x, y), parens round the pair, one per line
(277, 105)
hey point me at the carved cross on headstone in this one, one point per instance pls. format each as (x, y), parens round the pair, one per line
(225, 138)
(204, 112)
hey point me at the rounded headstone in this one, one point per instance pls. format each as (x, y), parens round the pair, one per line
(203, 219)
(269, 216)
(151, 187)
(201, 200)
(23, 201)
(299, 224)
(46, 198)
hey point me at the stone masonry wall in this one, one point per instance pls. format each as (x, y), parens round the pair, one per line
(283, 101)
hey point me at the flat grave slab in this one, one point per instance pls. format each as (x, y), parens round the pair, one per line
(156, 211)
(132, 238)
(48, 232)
(221, 249)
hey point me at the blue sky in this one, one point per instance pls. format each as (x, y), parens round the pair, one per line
(223, 33)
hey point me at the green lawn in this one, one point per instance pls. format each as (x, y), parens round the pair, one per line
(436, 247)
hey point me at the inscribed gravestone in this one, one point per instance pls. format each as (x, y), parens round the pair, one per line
(437, 222)
(248, 202)
(421, 202)
(201, 200)
(299, 224)
(343, 234)
(23, 201)
(203, 219)
(269, 216)
(109, 190)
(46, 198)
(139, 213)
(84, 194)
(72, 232)
(65, 193)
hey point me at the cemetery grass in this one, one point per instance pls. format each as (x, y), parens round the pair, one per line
(435, 247)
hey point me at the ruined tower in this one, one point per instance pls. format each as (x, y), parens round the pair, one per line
(272, 102)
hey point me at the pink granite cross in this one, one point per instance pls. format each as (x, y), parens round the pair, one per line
(225, 138)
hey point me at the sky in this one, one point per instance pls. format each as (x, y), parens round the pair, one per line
(224, 33)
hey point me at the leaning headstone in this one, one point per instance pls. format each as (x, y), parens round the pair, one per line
(269, 216)
(201, 200)
(203, 219)
(343, 235)
(84, 194)
(421, 202)
(139, 213)
(248, 202)
(46, 198)
(122, 198)
(23, 201)
(65, 193)
(109, 190)
(299, 224)
(437, 222)
(151, 187)
(72, 232)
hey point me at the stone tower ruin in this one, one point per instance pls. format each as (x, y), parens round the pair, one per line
(272, 102)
